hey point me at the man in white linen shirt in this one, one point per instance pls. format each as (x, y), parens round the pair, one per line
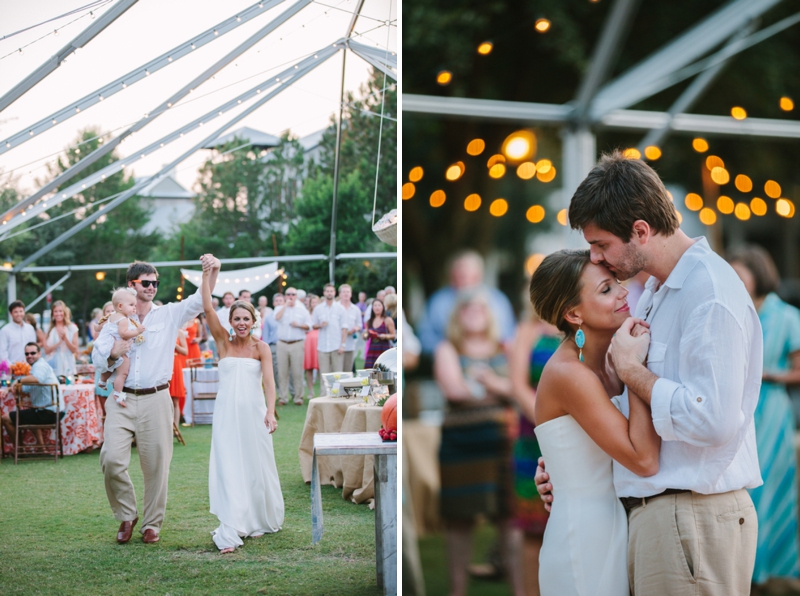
(329, 318)
(354, 324)
(15, 334)
(293, 323)
(147, 413)
(692, 526)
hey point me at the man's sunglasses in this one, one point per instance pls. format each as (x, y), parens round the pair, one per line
(146, 283)
(31, 353)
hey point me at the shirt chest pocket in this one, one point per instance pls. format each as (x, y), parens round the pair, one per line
(155, 335)
(656, 357)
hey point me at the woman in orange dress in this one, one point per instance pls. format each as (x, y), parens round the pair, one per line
(193, 340)
(311, 360)
(177, 389)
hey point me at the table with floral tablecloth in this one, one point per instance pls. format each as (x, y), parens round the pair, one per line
(80, 426)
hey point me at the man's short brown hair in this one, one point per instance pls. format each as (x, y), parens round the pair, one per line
(139, 268)
(619, 191)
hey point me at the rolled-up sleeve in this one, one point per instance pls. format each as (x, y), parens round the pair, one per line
(186, 310)
(704, 408)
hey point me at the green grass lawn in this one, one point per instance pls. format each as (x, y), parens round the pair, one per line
(57, 532)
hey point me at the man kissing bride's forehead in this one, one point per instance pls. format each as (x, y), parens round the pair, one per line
(646, 423)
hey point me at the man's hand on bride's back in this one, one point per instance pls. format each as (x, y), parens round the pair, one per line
(542, 480)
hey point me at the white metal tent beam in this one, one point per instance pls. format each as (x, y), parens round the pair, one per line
(101, 174)
(614, 32)
(303, 68)
(384, 61)
(625, 91)
(489, 109)
(721, 56)
(548, 114)
(237, 261)
(109, 146)
(691, 94)
(130, 78)
(83, 38)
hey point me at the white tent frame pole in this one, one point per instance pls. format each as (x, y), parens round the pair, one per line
(114, 142)
(131, 78)
(99, 175)
(615, 30)
(332, 252)
(48, 290)
(378, 63)
(83, 38)
(691, 94)
(308, 65)
(625, 90)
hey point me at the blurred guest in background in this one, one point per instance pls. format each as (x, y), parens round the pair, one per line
(15, 334)
(96, 314)
(41, 338)
(380, 332)
(177, 388)
(62, 341)
(466, 271)
(311, 358)
(353, 320)
(776, 499)
(534, 344)
(470, 367)
(193, 339)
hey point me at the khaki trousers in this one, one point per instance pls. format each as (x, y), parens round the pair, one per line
(330, 362)
(693, 544)
(149, 419)
(290, 358)
(347, 363)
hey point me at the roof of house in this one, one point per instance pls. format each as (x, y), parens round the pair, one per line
(255, 137)
(166, 188)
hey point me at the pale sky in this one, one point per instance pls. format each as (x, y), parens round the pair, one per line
(145, 31)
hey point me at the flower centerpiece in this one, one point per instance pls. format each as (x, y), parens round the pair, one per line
(20, 369)
(208, 358)
(5, 371)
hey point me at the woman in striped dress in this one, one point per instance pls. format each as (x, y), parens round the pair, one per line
(470, 368)
(776, 499)
(534, 343)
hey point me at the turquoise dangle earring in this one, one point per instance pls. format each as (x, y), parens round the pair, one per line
(231, 337)
(580, 341)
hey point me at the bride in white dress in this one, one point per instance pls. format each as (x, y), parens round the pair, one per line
(243, 485)
(580, 429)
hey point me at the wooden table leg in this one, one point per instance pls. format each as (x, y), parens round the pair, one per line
(385, 467)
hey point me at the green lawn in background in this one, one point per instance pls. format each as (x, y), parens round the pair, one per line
(57, 533)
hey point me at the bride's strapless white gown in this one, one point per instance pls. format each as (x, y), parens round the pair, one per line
(586, 539)
(243, 484)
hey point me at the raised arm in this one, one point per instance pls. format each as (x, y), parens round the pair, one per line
(217, 332)
(582, 395)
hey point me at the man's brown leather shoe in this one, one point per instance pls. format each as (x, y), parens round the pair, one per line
(126, 530)
(150, 536)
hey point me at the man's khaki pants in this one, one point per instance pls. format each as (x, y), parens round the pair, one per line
(347, 363)
(693, 544)
(149, 419)
(330, 361)
(290, 359)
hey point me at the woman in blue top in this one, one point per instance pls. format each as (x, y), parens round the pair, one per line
(776, 499)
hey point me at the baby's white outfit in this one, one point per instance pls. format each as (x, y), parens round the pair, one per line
(108, 335)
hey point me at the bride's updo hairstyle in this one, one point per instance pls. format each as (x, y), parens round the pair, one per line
(556, 286)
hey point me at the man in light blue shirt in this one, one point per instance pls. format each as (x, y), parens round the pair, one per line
(44, 411)
(466, 271)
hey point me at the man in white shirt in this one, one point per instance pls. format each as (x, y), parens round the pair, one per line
(15, 334)
(329, 318)
(293, 323)
(692, 526)
(352, 319)
(147, 414)
(225, 310)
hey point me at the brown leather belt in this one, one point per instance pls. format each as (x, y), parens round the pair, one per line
(294, 341)
(147, 391)
(631, 503)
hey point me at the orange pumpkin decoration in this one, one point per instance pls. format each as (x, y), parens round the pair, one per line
(389, 414)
